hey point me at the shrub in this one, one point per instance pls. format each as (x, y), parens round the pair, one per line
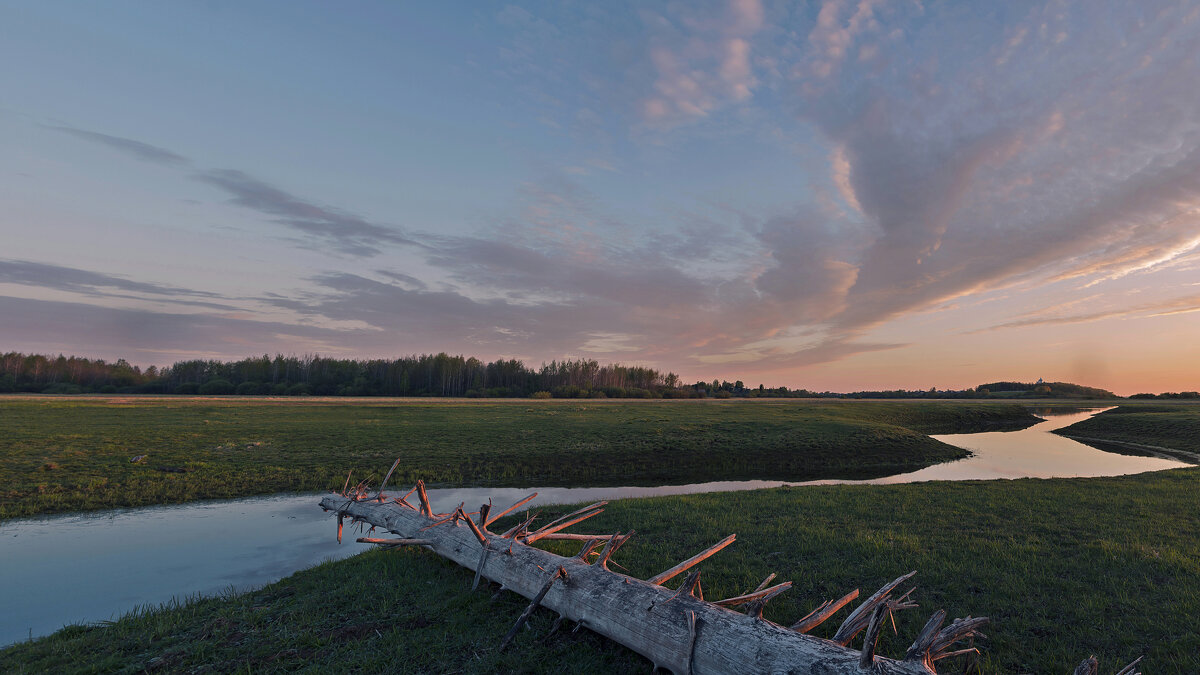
(252, 388)
(188, 388)
(541, 395)
(216, 388)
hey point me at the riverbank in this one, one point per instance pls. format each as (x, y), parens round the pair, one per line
(74, 453)
(1152, 427)
(1065, 568)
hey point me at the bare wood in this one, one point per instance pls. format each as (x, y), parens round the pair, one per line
(686, 564)
(379, 495)
(859, 618)
(425, 508)
(510, 509)
(484, 509)
(867, 657)
(341, 516)
(925, 638)
(474, 528)
(560, 573)
(958, 652)
(549, 530)
(827, 609)
(572, 514)
(516, 529)
(749, 597)
(394, 542)
(571, 536)
(755, 607)
(614, 543)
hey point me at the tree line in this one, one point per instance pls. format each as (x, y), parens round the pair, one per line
(432, 375)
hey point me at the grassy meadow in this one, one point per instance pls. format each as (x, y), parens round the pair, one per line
(66, 454)
(1065, 568)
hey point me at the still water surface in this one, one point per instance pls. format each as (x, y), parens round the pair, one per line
(57, 570)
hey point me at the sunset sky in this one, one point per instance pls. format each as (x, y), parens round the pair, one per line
(829, 195)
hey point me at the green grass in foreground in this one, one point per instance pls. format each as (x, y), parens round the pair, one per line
(1065, 568)
(74, 453)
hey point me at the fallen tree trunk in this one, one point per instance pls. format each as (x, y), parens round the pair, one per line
(675, 629)
(672, 628)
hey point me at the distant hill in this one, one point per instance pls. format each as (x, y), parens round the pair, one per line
(1041, 389)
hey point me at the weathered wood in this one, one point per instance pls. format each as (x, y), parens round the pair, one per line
(571, 536)
(426, 510)
(562, 522)
(560, 573)
(633, 612)
(827, 609)
(859, 618)
(385, 478)
(510, 509)
(394, 542)
(551, 529)
(694, 560)
(750, 597)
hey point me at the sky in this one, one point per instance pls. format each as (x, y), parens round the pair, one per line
(835, 195)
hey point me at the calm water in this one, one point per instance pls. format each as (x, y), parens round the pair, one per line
(78, 568)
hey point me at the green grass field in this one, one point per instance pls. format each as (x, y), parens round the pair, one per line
(1170, 426)
(63, 454)
(1065, 568)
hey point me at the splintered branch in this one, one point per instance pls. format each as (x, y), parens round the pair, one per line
(707, 553)
(425, 508)
(515, 531)
(510, 509)
(571, 536)
(379, 495)
(750, 597)
(959, 629)
(755, 607)
(822, 613)
(867, 656)
(860, 617)
(553, 528)
(615, 542)
(565, 521)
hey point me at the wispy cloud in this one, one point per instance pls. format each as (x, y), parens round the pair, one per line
(137, 149)
(59, 278)
(347, 232)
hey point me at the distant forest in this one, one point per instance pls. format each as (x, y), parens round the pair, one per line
(436, 375)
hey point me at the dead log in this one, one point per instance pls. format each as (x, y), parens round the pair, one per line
(676, 629)
(672, 628)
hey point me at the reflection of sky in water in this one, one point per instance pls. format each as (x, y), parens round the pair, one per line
(63, 569)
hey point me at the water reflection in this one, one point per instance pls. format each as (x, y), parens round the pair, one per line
(93, 567)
